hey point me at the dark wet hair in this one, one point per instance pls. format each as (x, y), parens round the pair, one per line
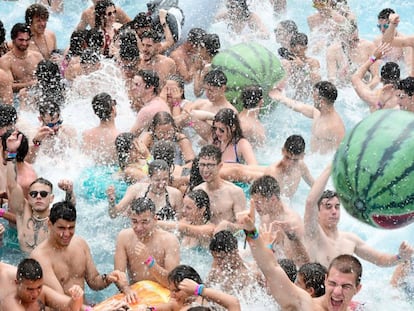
(102, 104)
(23, 149)
(89, 56)
(223, 241)
(161, 118)
(29, 269)
(164, 150)
(141, 20)
(150, 78)
(199, 308)
(197, 36)
(385, 13)
(19, 28)
(180, 81)
(100, 12)
(141, 205)
(298, 39)
(123, 145)
(62, 210)
(78, 40)
(156, 166)
(36, 10)
(295, 144)
(151, 34)
(49, 108)
(407, 85)
(210, 151)
(215, 77)
(230, 119)
(289, 26)
(251, 95)
(327, 194)
(94, 40)
(266, 186)
(181, 272)
(241, 5)
(288, 265)
(128, 47)
(347, 264)
(390, 73)
(313, 274)
(201, 199)
(195, 176)
(48, 74)
(43, 181)
(212, 44)
(8, 115)
(327, 90)
(2, 33)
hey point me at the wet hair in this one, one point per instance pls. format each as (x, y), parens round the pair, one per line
(62, 210)
(36, 10)
(181, 272)
(23, 149)
(89, 56)
(313, 274)
(298, 39)
(43, 181)
(161, 118)
(201, 199)
(164, 150)
(2, 33)
(100, 12)
(347, 264)
(102, 104)
(19, 28)
(8, 115)
(78, 40)
(327, 90)
(199, 308)
(151, 34)
(196, 37)
(180, 81)
(128, 47)
(407, 85)
(385, 13)
(212, 44)
(141, 205)
(49, 108)
(210, 151)
(289, 26)
(123, 145)
(251, 96)
(94, 40)
(230, 119)
(215, 77)
(156, 166)
(150, 78)
(195, 176)
(29, 269)
(288, 265)
(390, 73)
(141, 20)
(49, 78)
(295, 144)
(327, 194)
(240, 5)
(223, 241)
(266, 186)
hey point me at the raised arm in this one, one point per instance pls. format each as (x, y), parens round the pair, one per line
(305, 109)
(169, 39)
(114, 209)
(198, 231)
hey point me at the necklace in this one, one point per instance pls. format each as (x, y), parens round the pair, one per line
(19, 57)
(47, 47)
(39, 219)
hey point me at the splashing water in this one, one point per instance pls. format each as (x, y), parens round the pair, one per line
(93, 222)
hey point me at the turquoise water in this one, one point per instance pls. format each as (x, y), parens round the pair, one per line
(100, 231)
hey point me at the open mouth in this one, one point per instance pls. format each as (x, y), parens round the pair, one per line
(393, 221)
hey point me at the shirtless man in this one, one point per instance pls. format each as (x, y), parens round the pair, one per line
(42, 40)
(6, 90)
(21, 62)
(168, 200)
(7, 277)
(345, 57)
(215, 87)
(99, 142)
(32, 295)
(226, 199)
(323, 239)
(152, 60)
(145, 251)
(328, 128)
(406, 94)
(88, 17)
(265, 197)
(146, 101)
(185, 55)
(65, 258)
(52, 137)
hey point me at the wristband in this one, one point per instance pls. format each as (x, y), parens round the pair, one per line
(270, 246)
(11, 156)
(176, 104)
(104, 278)
(2, 212)
(191, 124)
(88, 308)
(151, 309)
(254, 235)
(398, 257)
(150, 262)
(372, 59)
(36, 142)
(199, 289)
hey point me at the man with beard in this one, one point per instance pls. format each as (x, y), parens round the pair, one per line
(21, 62)
(42, 40)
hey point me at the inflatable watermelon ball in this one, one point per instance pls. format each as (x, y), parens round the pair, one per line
(373, 170)
(248, 64)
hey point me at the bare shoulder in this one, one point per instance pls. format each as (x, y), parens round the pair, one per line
(232, 188)
(166, 237)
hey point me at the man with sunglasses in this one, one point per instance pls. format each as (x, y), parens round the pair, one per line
(32, 213)
(52, 138)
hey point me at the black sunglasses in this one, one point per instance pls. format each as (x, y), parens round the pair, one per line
(34, 194)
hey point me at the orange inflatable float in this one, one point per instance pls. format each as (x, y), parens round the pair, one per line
(149, 293)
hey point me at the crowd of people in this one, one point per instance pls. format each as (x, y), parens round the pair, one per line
(187, 175)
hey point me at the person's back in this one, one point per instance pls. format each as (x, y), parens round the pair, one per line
(7, 277)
